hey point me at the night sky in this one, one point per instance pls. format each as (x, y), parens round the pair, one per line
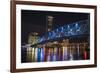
(35, 21)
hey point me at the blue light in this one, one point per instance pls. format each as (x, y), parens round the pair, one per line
(53, 34)
(68, 27)
(76, 24)
(39, 55)
(57, 30)
(71, 30)
(78, 29)
(62, 28)
(42, 54)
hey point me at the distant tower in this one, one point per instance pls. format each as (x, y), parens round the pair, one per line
(49, 24)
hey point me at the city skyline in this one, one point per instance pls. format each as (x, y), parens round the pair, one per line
(34, 20)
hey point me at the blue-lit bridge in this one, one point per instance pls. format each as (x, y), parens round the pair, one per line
(80, 28)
